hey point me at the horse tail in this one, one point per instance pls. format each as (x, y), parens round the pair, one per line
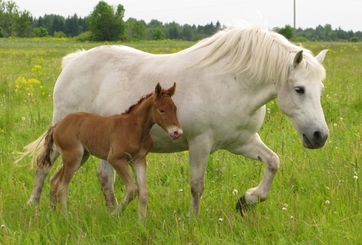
(32, 149)
(44, 158)
(69, 57)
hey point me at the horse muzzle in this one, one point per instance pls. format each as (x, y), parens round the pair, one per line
(314, 140)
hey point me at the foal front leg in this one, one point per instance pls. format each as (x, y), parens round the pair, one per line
(122, 169)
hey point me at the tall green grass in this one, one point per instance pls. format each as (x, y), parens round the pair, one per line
(315, 198)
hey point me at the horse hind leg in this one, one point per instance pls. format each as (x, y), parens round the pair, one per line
(106, 178)
(42, 171)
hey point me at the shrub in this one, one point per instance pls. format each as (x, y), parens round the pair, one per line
(39, 32)
(59, 34)
(85, 36)
(354, 39)
(157, 34)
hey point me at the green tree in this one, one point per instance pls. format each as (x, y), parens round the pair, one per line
(72, 26)
(136, 28)
(11, 16)
(58, 24)
(23, 24)
(187, 32)
(287, 31)
(105, 23)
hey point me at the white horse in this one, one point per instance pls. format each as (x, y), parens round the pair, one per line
(223, 82)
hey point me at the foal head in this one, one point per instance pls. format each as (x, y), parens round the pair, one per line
(164, 111)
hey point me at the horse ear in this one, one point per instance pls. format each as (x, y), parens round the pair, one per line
(158, 90)
(298, 58)
(171, 91)
(320, 57)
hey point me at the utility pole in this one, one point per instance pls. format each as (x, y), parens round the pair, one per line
(294, 18)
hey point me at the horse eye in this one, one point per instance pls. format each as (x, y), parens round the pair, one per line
(299, 90)
(161, 111)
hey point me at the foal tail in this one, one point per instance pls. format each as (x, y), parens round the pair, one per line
(45, 140)
(32, 149)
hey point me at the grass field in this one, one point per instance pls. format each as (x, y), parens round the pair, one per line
(315, 198)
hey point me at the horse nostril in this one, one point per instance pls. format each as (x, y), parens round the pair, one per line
(317, 135)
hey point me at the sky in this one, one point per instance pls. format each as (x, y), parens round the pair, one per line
(267, 13)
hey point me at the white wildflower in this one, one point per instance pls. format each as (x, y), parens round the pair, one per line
(235, 192)
(327, 202)
(285, 207)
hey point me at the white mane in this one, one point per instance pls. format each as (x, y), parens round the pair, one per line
(257, 53)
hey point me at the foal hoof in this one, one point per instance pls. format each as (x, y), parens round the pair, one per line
(242, 206)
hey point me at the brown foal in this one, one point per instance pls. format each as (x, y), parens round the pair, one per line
(122, 140)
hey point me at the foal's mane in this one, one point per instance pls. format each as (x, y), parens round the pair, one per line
(136, 104)
(141, 100)
(257, 53)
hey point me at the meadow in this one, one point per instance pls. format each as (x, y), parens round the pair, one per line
(316, 197)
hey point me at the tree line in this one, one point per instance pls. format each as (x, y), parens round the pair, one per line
(106, 23)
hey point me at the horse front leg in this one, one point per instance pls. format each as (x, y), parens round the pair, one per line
(199, 150)
(256, 149)
(106, 178)
(139, 169)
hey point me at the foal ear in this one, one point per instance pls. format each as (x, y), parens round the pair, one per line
(171, 91)
(158, 90)
(298, 58)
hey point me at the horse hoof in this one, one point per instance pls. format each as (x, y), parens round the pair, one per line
(242, 206)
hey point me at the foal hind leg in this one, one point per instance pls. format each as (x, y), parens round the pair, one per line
(122, 169)
(256, 149)
(106, 178)
(42, 172)
(60, 181)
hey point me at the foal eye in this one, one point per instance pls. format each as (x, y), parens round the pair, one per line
(299, 90)
(161, 111)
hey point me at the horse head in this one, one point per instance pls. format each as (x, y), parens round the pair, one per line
(299, 98)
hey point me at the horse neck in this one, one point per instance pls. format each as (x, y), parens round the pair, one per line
(259, 92)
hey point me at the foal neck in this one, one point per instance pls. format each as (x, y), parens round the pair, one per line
(142, 112)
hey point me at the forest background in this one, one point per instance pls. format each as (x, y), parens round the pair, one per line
(106, 23)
